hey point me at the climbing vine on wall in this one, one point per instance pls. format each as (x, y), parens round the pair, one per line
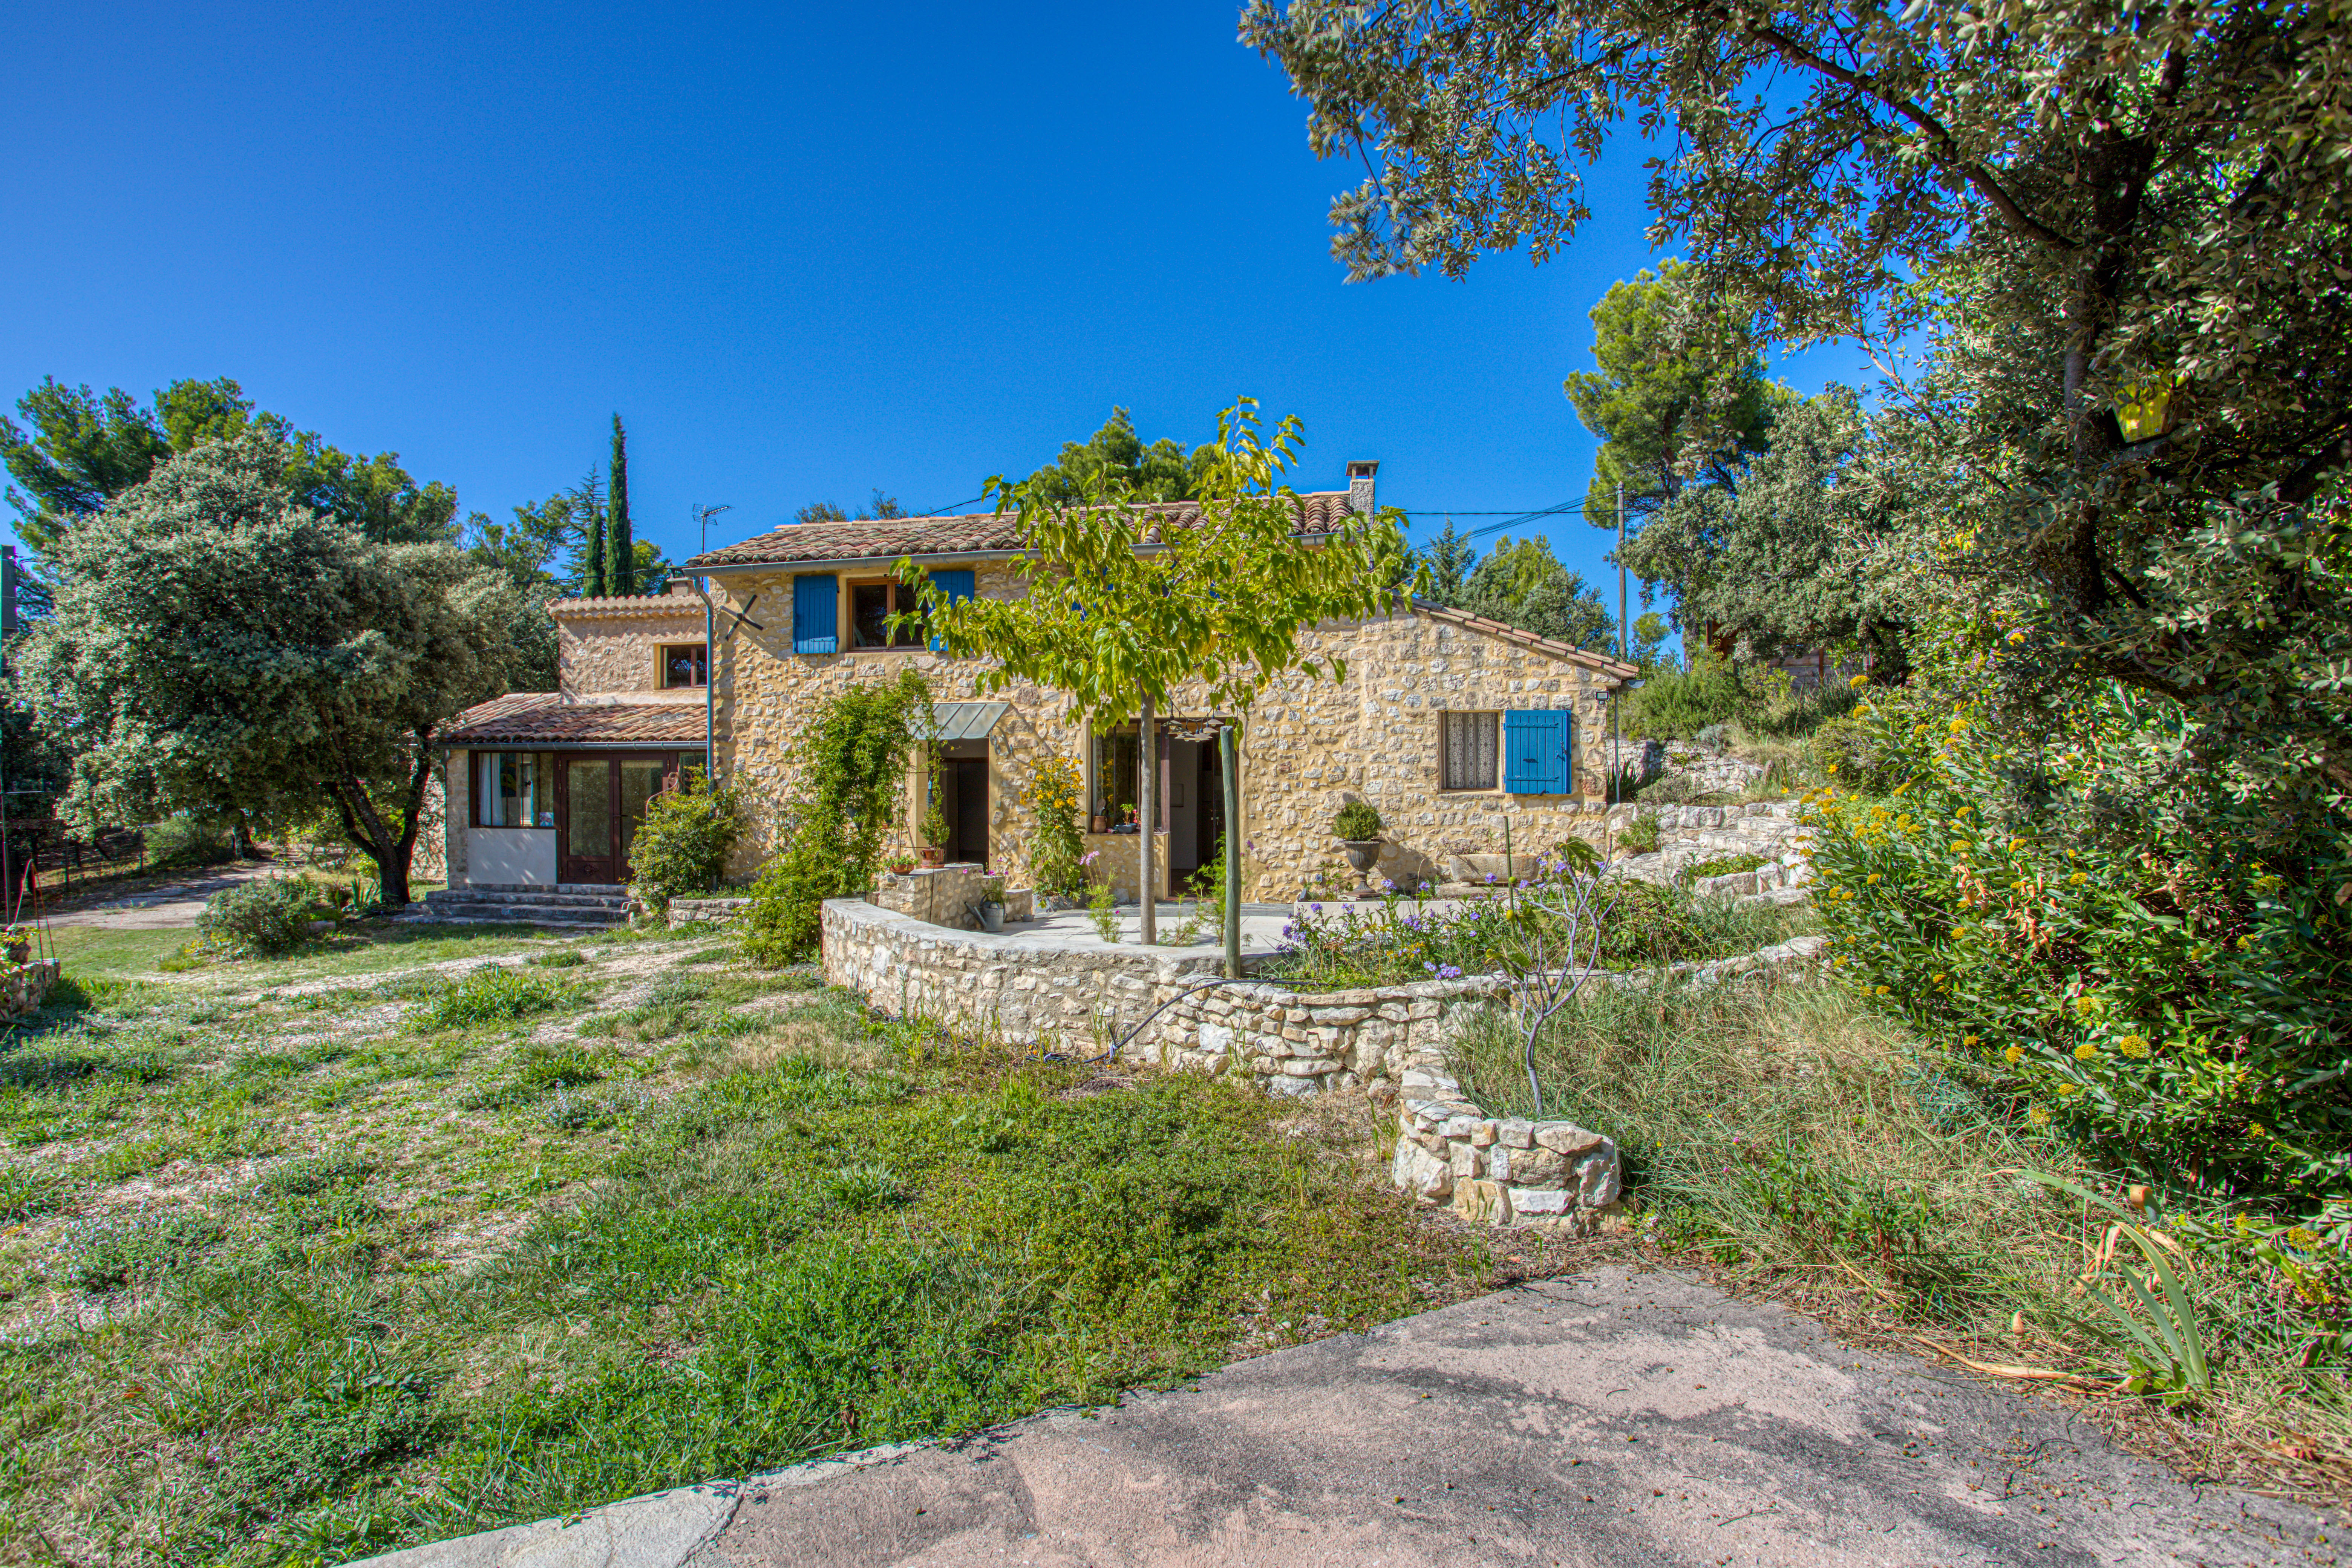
(849, 784)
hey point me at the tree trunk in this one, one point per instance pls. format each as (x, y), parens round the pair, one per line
(366, 828)
(1147, 770)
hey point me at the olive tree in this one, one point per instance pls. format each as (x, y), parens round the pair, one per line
(216, 642)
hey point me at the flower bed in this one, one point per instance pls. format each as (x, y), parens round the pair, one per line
(1398, 940)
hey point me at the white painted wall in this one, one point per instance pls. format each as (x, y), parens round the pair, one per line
(513, 856)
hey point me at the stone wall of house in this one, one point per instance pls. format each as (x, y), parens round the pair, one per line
(1312, 745)
(768, 695)
(457, 807)
(1119, 860)
(605, 647)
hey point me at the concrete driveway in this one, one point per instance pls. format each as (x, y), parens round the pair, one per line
(168, 905)
(1612, 1418)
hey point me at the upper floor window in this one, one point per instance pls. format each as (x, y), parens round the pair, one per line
(871, 605)
(685, 664)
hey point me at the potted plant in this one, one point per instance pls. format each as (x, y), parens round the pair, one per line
(992, 903)
(900, 864)
(18, 941)
(1358, 827)
(935, 836)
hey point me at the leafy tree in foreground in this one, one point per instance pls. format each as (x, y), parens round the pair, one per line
(218, 643)
(1221, 599)
(2139, 214)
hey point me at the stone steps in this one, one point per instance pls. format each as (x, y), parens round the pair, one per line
(568, 907)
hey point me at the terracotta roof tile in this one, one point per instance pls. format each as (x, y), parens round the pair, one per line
(541, 718)
(1551, 646)
(971, 533)
(627, 605)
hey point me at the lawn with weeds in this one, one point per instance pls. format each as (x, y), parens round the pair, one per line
(308, 1274)
(1795, 1142)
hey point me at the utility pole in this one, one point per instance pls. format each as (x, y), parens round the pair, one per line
(1617, 707)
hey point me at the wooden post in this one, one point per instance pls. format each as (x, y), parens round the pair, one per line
(1147, 770)
(1229, 753)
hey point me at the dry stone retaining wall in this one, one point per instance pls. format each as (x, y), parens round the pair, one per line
(1390, 1042)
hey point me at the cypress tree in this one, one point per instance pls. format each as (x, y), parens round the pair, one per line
(620, 550)
(588, 505)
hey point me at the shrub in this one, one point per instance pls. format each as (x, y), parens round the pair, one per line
(1055, 792)
(489, 996)
(183, 841)
(1357, 821)
(851, 767)
(1676, 704)
(267, 916)
(2132, 955)
(681, 847)
(1640, 835)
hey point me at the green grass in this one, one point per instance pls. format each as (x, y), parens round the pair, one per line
(1797, 1142)
(397, 1282)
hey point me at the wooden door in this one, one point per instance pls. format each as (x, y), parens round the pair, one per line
(583, 815)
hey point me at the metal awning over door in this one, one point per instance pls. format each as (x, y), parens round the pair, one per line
(968, 720)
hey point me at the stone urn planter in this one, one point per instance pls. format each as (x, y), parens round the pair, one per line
(1363, 854)
(933, 856)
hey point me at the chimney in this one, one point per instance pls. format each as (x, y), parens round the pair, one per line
(1360, 485)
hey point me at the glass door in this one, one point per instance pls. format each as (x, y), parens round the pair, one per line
(641, 780)
(587, 812)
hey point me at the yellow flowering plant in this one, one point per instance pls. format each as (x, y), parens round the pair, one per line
(2153, 990)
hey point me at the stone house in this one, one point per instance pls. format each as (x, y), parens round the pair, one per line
(545, 789)
(1450, 725)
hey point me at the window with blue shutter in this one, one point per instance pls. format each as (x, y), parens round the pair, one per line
(953, 586)
(1535, 752)
(816, 613)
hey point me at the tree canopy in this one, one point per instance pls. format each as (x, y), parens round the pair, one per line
(1522, 584)
(1116, 455)
(1776, 555)
(1123, 602)
(1680, 394)
(216, 642)
(77, 451)
(2120, 229)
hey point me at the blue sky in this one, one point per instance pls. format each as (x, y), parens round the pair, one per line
(803, 251)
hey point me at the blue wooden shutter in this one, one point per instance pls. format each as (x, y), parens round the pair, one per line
(953, 586)
(1535, 752)
(816, 613)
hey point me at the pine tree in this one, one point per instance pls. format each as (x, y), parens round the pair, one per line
(620, 550)
(588, 516)
(1450, 559)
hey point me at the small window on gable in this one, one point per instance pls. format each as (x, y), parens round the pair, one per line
(871, 605)
(1470, 744)
(685, 664)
